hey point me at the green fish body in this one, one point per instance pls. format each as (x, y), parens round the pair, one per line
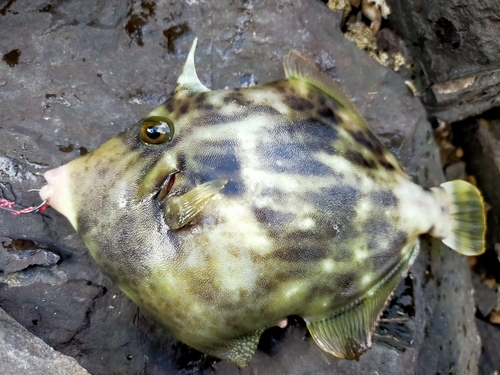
(223, 212)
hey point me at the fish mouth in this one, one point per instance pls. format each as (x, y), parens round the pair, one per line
(57, 192)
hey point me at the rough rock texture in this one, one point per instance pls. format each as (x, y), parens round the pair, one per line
(480, 140)
(456, 44)
(74, 73)
(490, 356)
(21, 352)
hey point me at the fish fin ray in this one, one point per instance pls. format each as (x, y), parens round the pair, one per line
(348, 333)
(240, 350)
(299, 67)
(188, 80)
(181, 210)
(468, 218)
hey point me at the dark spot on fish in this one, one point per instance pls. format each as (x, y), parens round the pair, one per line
(184, 108)
(12, 57)
(336, 212)
(384, 198)
(200, 98)
(383, 255)
(267, 216)
(341, 254)
(169, 105)
(173, 33)
(397, 242)
(328, 114)
(292, 159)
(209, 119)
(375, 227)
(237, 98)
(388, 166)
(102, 171)
(298, 103)
(83, 151)
(280, 89)
(233, 187)
(264, 110)
(105, 198)
(224, 165)
(299, 254)
(207, 107)
(131, 164)
(369, 141)
(347, 282)
(290, 148)
(358, 159)
(181, 161)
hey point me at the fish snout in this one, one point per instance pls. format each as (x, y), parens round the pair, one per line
(57, 192)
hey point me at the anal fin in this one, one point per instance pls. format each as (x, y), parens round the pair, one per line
(347, 333)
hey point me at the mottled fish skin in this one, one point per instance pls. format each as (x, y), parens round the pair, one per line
(311, 217)
(223, 212)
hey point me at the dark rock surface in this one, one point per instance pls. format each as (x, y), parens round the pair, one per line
(75, 73)
(479, 138)
(21, 352)
(490, 355)
(456, 44)
(21, 254)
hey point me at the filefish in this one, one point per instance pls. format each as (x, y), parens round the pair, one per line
(221, 213)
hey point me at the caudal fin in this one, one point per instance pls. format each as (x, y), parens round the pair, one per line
(468, 221)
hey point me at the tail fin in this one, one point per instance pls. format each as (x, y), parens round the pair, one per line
(467, 214)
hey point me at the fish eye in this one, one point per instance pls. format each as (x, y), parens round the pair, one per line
(157, 130)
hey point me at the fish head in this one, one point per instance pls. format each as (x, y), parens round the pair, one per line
(127, 169)
(134, 167)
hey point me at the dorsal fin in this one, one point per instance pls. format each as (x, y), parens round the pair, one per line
(299, 67)
(189, 80)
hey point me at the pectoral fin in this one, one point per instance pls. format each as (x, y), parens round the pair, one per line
(181, 210)
(348, 332)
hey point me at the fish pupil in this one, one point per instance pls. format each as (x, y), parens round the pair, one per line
(154, 132)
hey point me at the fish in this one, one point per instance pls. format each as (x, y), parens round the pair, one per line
(221, 213)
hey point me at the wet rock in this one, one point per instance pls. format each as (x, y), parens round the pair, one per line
(24, 353)
(18, 254)
(88, 70)
(489, 363)
(456, 44)
(485, 297)
(455, 171)
(479, 138)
